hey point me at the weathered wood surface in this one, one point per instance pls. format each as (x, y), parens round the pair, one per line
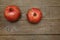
(41, 37)
(50, 23)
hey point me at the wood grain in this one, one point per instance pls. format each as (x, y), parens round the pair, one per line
(47, 29)
(48, 25)
(16, 38)
(41, 37)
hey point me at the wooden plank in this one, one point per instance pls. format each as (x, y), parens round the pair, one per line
(15, 38)
(45, 37)
(21, 27)
(41, 37)
(48, 12)
(30, 2)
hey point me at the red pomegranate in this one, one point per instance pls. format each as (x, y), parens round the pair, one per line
(34, 15)
(12, 13)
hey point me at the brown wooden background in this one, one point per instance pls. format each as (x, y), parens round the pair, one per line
(47, 29)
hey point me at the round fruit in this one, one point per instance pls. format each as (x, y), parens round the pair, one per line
(12, 13)
(34, 15)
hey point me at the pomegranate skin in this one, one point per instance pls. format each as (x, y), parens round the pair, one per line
(12, 13)
(34, 15)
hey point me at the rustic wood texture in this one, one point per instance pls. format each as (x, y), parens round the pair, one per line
(50, 23)
(41, 37)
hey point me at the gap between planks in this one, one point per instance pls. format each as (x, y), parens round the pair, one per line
(26, 34)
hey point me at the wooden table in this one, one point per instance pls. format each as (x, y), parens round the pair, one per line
(47, 29)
